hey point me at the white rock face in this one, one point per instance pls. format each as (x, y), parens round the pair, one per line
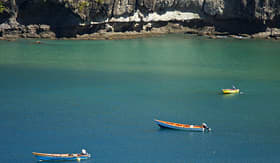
(153, 17)
(171, 15)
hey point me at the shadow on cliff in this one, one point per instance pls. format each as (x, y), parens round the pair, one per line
(238, 17)
(4, 17)
(62, 20)
(238, 26)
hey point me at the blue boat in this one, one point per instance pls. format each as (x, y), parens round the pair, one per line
(187, 127)
(62, 157)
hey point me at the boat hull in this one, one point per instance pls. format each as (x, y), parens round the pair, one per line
(59, 157)
(230, 91)
(178, 126)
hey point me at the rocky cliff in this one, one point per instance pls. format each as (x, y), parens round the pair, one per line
(74, 18)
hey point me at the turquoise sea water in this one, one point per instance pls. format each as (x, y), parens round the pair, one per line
(62, 96)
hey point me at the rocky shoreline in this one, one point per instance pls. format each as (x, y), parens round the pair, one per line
(170, 28)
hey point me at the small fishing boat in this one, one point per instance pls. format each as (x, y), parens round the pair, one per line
(187, 127)
(62, 157)
(230, 91)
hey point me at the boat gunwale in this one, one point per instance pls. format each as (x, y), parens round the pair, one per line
(230, 91)
(65, 155)
(179, 125)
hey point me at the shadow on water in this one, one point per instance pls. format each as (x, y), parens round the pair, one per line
(164, 129)
(65, 161)
(231, 95)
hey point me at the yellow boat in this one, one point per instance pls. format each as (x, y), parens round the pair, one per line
(230, 91)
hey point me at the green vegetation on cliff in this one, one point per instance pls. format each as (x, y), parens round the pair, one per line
(99, 1)
(83, 5)
(2, 7)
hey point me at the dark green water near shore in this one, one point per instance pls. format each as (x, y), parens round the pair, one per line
(62, 96)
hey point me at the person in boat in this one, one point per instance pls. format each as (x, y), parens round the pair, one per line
(84, 152)
(204, 125)
(233, 87)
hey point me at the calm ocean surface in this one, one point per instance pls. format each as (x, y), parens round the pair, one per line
(62, 96)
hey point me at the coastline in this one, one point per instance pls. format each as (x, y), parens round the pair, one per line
(207, 32)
